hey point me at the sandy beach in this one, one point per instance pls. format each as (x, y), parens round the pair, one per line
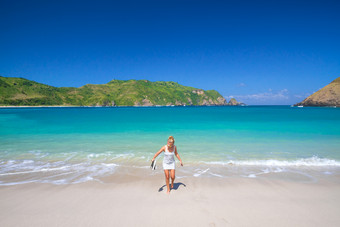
(252, 166)
(142, 201)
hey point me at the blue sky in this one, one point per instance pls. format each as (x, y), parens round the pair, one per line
(260, 52)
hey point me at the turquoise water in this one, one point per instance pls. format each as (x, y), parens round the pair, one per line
(70, 145)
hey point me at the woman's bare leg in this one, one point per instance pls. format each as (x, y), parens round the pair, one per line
(166, 172)
(172, 173)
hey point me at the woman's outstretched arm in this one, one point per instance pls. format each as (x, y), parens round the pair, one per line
(160, 151)
(177, 155)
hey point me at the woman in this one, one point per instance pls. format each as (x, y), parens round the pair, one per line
(170, 150)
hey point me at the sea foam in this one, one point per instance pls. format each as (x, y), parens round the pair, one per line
(59, 172)
(312, 161)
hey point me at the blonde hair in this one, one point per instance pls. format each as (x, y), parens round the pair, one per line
(171, 139)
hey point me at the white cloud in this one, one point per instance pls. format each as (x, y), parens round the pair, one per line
(303, 96)
(241, 85)
(280, 95)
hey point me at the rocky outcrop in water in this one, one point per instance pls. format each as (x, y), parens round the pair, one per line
(233, 102)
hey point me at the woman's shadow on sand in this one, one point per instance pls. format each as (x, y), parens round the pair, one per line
(176, 186)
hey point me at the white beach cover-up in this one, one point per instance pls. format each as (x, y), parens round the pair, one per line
(169, 159)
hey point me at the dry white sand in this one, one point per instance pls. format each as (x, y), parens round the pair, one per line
(132, 201)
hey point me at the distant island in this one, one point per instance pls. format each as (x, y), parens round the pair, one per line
(327, 96)
(23, 92)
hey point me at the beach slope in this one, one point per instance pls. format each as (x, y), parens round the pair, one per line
(193, 202)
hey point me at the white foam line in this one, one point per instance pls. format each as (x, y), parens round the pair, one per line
(328, 173)
(39, 170)
(61, 174)
(217, 175)
(70, 157)
(254, 175)
(313, 162)
(200, 172)
(15, 183)
(33, 171)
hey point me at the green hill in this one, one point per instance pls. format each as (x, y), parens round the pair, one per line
(23, 92)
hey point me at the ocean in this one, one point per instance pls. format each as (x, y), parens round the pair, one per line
(69, 145)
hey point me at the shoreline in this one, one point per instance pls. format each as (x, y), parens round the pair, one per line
(58, 172)
(142, 201)
(292, 106)
(122, 106)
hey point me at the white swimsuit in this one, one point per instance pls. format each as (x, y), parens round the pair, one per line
(169, 159)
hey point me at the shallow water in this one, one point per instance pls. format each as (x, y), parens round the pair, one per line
(72, 145)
